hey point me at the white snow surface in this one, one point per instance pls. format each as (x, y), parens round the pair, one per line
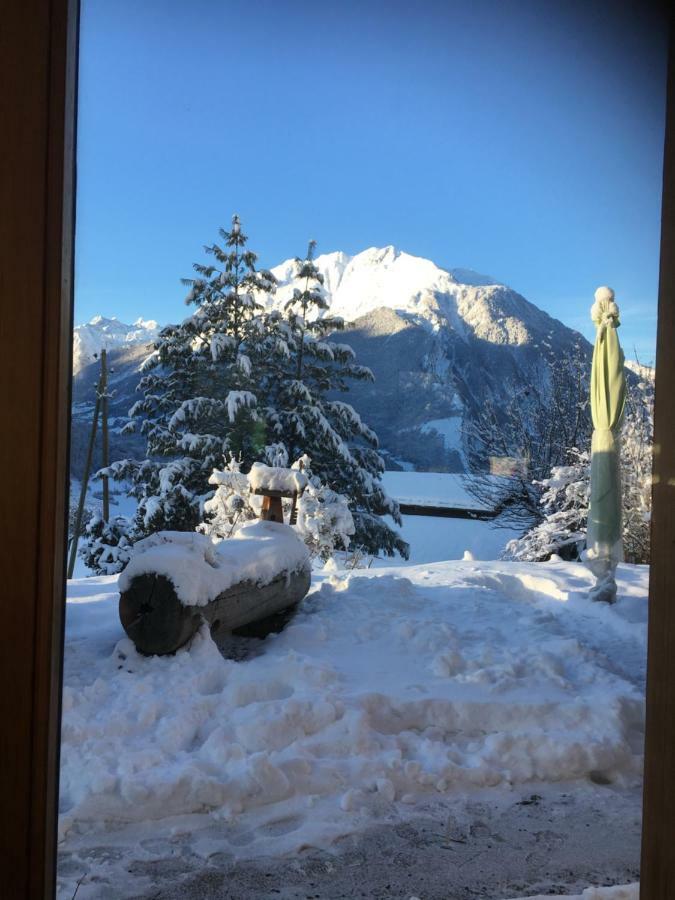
(100, 332)
(618, 892)
(276, 478)
(388, 686)
(201, 568)
(434, 539)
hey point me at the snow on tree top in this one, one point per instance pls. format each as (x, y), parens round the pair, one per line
(276, 478)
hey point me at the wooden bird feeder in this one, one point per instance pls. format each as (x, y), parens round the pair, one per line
(272, 509)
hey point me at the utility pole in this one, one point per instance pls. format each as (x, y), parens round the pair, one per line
(101, 408)
(104, 432)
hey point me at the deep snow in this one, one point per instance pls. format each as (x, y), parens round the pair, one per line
(388, 687)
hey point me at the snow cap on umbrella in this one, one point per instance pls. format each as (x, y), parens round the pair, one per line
(605, 311)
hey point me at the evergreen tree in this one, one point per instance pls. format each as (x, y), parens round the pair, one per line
(106, 548)
(637, 436)
(199, 389)
(564, 508)
(303, 414)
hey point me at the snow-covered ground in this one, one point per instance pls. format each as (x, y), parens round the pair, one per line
(620, 892)
(435, 539)
(389, 688)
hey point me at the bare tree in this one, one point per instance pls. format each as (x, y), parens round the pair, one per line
(514, 444)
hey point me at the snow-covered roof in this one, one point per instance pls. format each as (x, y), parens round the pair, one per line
(431, 489)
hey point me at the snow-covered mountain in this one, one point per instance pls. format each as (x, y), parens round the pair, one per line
(99, 332)
(441, 343)
(387, 278)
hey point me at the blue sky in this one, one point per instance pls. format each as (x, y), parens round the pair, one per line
(520, 139)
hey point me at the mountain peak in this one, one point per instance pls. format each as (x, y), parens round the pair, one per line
(388, 277)
(109, 333)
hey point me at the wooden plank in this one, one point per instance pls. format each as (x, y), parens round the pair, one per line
(38, 42)
(658, 833)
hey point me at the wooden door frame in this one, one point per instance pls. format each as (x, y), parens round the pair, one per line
(658, 811)
(38, 63)
(38, 78)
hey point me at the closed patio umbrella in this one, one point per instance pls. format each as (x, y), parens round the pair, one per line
(608, 395)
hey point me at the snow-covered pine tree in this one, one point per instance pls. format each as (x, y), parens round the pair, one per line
(637, 437)
(564, 507)
(199, 389)
(106, 548)
(325, 521)
(305, 373)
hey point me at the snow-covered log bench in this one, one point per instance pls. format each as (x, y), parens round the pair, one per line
(176, 579)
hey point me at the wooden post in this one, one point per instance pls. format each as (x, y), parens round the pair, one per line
(658, 814)
(104, 432)
(272, 510)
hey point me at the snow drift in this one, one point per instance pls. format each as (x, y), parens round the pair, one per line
(383, 689)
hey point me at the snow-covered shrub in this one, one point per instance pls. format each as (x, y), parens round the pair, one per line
(231, 505)
(106, 548)
(564, 505)
(637, 436)
(87, 514)
(324, 520)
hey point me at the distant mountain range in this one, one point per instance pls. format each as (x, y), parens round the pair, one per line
(89, 339)
(439, 342)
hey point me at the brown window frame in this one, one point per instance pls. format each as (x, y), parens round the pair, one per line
(38, 79)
